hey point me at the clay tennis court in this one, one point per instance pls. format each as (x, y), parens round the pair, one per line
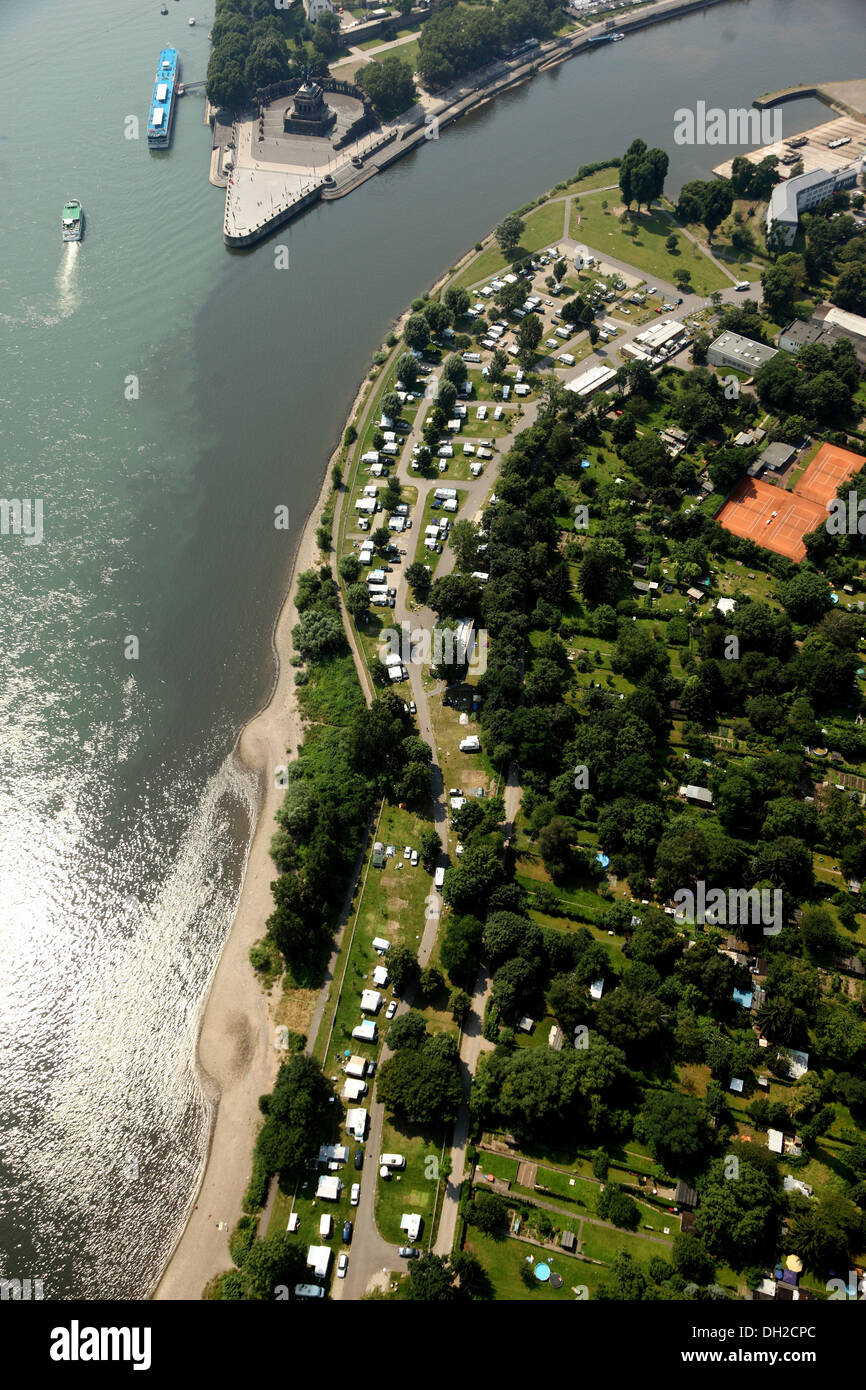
(779, 520)
(829, 468)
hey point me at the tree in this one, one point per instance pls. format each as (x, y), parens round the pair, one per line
(600, 1163)
(278, 1262)
(431, 1280)
(676, 1127)
(268, 61)
(418, 578)
(806, 597)
(820, 936)
(416, 332)
(738, 1218)
(601, 569)
(226, 83)
(408, 1030)
(509, 232)
(779, 289)
(850, 290)
(429, 849)
(490, 1214)
(716, 203)
(460, 952)
(454, 370)
(528, 337)
(825, 1231)
(298, 1116)
(556, 847)
(498, 365)
(457, 301)
(389, 84)
(516, 989)
(459, 1003)
(358, 601)
(406, 370)
(692, 1260)
(422, 1085)
(430, 981)
(627, 1282)
(468, 885)
(402, 966)
(616, 1206)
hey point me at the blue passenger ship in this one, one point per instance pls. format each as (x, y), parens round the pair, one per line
(164, 100)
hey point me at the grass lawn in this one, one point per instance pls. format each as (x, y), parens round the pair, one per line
(332, 692)
(544, 227)
(603, 1242)
(392, 905)
(414, 1188)
(602, 178)
(601, 229)
(503, 1260)
(500, 1165)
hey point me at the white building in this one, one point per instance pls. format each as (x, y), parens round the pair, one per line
(793, 196)
(732, 350)
(596, 379)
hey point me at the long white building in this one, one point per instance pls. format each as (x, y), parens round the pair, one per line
(795, 195)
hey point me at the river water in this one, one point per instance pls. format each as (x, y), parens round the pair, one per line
(161, 397)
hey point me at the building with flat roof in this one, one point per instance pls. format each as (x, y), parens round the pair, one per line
(802, 192)
(660, 337)
(732, 350)
(826, 326)
(596, 379)
(777, 455)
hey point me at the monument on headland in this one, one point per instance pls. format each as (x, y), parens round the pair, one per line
(309, 113)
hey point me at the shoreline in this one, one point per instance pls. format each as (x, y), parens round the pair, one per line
(235, 1055)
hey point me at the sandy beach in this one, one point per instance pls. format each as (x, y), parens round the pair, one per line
(236, 1052)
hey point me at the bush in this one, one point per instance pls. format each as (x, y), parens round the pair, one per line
(242, 1239)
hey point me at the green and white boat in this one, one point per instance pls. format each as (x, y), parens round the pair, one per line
(72, 221)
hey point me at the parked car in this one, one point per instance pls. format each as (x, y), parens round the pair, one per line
(412, 707)
(347, 1233)
(407, 851)
(342, 1266)
(355, 1195)
(414, 860)
(407, 1252)
(391, 1009)
(359, 1160)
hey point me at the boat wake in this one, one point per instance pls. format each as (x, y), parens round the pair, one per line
(66, 283)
